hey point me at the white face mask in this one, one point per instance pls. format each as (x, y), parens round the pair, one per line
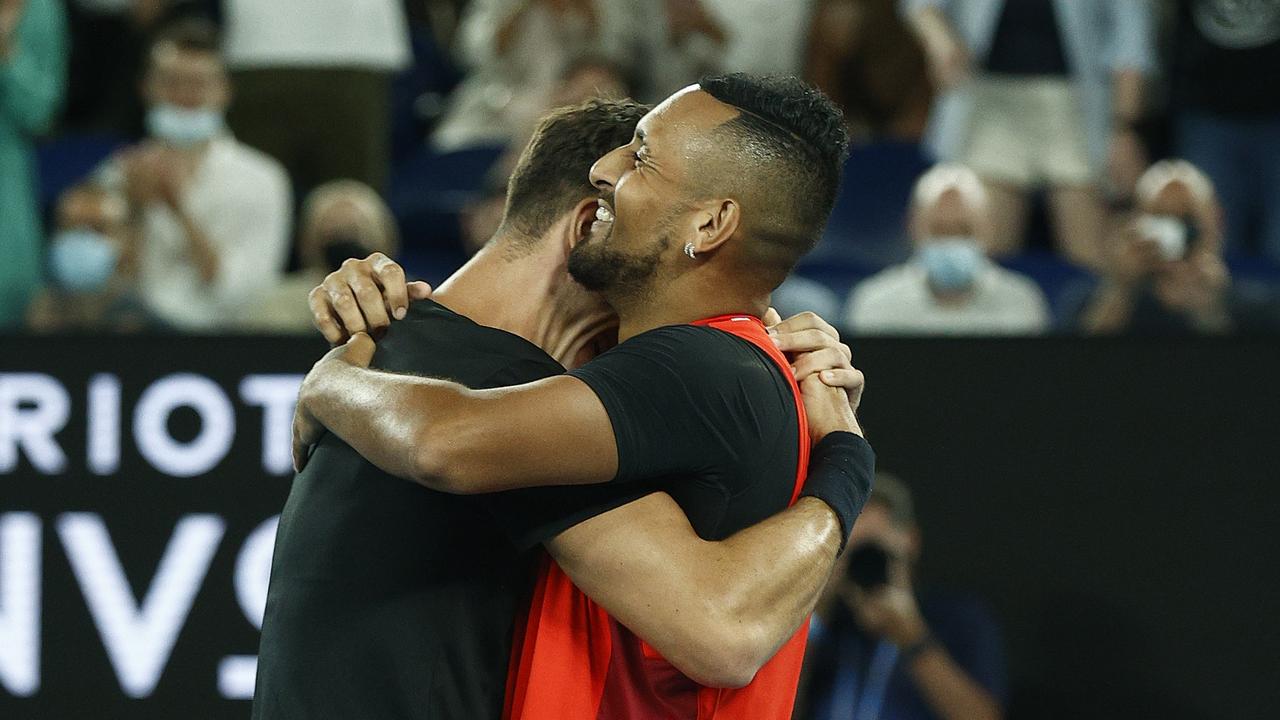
(82, 260)
(183, 127)
(951, 263)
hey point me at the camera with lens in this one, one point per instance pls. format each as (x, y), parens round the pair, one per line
(869, 566)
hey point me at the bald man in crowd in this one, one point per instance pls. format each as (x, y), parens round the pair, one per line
(949, 286)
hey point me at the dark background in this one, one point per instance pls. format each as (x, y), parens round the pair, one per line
(1114, 502)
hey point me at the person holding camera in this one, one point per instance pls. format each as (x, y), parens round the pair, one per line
(878, 649)
(1166, 273)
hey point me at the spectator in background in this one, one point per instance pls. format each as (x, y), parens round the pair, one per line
(866, 58)
(1040, 93)
(313, 86)
(198, 199)
(950, 287)
(1166, 273)
(1226, 112)
(516, 53)
(341, 219)
(91, 261)
(32, 80)
(879, 649)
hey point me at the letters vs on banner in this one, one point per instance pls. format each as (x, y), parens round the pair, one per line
(140, 482)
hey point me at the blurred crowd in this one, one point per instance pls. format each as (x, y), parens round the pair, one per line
(1020, 166)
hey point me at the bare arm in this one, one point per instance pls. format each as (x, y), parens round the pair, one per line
(450, 438)
(719, 610)
(716, 610)
(949, 690)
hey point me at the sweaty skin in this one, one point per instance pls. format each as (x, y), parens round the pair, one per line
(556, 431)
(715, 610)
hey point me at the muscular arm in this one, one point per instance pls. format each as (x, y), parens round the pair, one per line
(716, 610)
(454, 439)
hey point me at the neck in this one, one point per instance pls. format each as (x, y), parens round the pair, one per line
(692, 296)
(532, 297)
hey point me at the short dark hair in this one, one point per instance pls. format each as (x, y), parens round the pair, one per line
(795, 142)
(190, 34)
(552, 174)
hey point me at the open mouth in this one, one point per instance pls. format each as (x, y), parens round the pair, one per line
(604, 220)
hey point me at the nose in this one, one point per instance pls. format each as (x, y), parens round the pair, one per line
(606, 171)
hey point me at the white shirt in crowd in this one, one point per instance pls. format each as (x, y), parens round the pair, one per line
(241, 200)
(764, 36)
(897, 301)
(365, 34)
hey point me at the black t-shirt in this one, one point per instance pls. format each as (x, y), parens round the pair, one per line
(1227, 57)
(389, 600)
(1027, 41)
(698, 413)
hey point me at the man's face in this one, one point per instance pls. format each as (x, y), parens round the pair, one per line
(646, 204)
(949, 215)
(186, 79)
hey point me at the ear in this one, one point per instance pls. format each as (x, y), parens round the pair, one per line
(583, 215)
(715, 223)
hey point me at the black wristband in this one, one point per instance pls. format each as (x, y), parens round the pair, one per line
(841, 469)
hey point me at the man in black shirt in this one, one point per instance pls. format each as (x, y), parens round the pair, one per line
(391, 600)
(720, 191)
(1226, 112)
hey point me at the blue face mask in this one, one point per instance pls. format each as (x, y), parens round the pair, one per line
(82, 260)
(183, 127)
(951, 263)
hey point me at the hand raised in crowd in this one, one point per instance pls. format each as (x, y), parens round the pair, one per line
(363, 296)
(889, 611)
(1195, 284)
(154, 173)
(1136, 258)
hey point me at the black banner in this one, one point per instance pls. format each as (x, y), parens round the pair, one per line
(1115, 502)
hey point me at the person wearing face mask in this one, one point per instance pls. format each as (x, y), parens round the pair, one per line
(88, 264)
(211, 214)
(1166, 274)
(950, 286)
(341, 219)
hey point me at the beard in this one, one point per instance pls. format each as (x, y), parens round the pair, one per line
(614, 274)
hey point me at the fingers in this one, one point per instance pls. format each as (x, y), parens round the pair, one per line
(802, 341)
(371, 304)
(829, 358)
(390, 276)
(359, 350)
(771, 318)
(851, 380)
(344, 305)
(323, 317)
(806, 321)
(419, 290)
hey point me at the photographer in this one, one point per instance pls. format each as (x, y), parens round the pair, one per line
(1166, 274)
(879, 649)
